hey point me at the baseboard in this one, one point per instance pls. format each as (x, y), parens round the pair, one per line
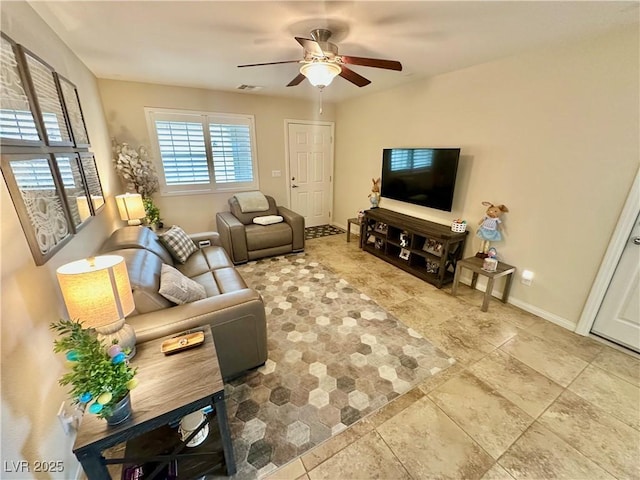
(527, 307)
(551, 317)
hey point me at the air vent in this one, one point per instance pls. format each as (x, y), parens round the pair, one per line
(248, 88)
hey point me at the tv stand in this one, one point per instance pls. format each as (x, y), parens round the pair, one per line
(425, 249)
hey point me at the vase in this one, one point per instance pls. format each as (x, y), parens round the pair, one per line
(121, 411)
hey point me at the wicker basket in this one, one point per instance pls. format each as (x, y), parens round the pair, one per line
(458, 227)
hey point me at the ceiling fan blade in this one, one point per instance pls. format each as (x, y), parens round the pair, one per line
(354, 77)
(311, 46)
(296, 81)
(373, 62)
(270, 63)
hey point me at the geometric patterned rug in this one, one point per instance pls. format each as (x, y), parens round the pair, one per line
(321, 231)
(335, 356)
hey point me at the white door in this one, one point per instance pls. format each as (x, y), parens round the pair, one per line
(310, 170)
(618, 319)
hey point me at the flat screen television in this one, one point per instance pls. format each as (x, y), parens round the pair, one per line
(422, 176)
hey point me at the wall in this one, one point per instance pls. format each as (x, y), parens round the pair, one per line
(552, 134)
(30, 296)
(124, 104)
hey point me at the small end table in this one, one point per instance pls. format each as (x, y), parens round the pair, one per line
(355, 221)
(475, 265)
(170, 387)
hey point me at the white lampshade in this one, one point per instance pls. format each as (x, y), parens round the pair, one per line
(131, 208)
(97, 292)
(320, 74)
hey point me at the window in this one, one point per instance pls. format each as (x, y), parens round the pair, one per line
(200, 152)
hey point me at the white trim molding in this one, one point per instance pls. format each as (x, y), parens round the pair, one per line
(611, 258)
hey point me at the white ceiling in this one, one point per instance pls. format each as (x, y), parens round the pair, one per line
(200, 44)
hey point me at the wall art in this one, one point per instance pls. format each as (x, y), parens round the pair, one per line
(74, 187)
(18, 125)
(34, 185)
(92, 181)
(47, 100)
(73, 109)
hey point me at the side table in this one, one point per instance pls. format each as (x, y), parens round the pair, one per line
(170, 387)
(355, 221)
(475, 265)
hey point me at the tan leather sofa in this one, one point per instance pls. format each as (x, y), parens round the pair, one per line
(243, 240)
(235, 312)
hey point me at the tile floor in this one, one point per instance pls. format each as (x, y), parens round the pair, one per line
(527, 399)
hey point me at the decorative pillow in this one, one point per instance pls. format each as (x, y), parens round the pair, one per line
(178, 243)
(179, 289)
(268, 219)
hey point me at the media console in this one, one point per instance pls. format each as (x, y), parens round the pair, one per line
(425, 249)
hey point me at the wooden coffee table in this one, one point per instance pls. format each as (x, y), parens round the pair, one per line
(170, 387)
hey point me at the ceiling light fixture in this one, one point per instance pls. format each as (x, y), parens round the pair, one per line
(320, 74)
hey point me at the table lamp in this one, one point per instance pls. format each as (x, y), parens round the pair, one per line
(131, 208)
(97, 292)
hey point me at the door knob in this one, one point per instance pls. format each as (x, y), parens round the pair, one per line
(636, 240)
(294, 186)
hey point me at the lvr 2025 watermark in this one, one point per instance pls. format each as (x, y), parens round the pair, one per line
(26, 466)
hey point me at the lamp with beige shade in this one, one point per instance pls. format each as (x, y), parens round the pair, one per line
(131, 208)
(97, 292)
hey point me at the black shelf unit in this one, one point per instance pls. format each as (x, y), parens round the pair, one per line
(425, 249)
(192, 462)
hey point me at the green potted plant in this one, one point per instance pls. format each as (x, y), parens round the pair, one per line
(100, 376)
(153, 212)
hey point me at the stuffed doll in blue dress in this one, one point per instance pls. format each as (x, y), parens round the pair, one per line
(489, 230)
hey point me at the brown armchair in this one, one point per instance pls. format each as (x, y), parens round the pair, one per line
(244, 240)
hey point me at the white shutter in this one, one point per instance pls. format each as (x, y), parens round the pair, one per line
(231, 150)
(183, 152)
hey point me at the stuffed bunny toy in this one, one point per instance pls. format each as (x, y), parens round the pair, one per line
(374, 196)
(489, 230)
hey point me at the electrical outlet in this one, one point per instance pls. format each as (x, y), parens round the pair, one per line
(527, 277)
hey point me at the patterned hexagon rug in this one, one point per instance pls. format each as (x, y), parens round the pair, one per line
(335, 356)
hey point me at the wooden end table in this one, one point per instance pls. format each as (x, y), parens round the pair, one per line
(354, 221)
(170, 387)
(475, 265)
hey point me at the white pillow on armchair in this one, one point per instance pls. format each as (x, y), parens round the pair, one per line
(268, 219)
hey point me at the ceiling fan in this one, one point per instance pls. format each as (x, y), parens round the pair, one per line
(321, 62)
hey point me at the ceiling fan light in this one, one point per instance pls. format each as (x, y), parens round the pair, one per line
(320, 74)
